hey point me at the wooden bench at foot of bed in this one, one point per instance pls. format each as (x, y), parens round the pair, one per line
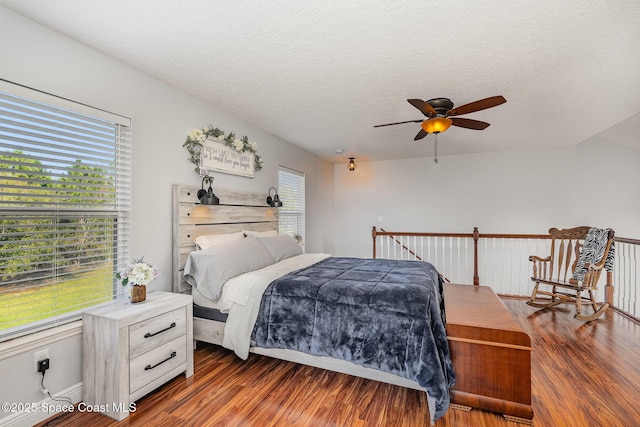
(491, 354)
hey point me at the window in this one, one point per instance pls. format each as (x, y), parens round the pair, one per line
(291, 192)
(64, 208)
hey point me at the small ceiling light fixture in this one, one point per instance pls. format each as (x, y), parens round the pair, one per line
(275, 200)
(206, 196)
(352, 164)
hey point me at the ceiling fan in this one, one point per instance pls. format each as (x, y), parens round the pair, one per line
(438, 111)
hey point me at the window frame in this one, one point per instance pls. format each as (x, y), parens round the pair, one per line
(113, 216)
(291, 189)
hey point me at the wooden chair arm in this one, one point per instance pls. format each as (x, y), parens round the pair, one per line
(595, 267)
(534, 258)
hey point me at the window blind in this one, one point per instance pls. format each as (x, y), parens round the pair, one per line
(291, 192)
(65, 184)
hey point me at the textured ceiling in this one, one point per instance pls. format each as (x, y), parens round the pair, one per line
(320, 74)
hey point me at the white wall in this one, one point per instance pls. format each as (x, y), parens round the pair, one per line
(161, 119)
(594, 183)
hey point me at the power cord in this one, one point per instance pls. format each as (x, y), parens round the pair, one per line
(57, 399)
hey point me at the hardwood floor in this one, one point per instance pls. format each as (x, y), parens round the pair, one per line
(583, 374)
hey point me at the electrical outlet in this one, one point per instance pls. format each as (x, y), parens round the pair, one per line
(39, 356)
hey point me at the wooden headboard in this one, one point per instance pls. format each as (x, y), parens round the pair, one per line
(237, 211)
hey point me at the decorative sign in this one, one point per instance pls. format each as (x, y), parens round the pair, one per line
(217, 157)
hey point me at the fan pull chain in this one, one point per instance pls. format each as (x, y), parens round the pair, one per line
(435, 154)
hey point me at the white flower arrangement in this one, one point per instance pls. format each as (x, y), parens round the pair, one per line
(138, 273)
(197, 137)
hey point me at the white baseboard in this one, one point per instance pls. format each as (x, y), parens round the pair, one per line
(42, 410)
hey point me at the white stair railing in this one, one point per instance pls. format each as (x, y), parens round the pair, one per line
(627, 264)
(501, 261)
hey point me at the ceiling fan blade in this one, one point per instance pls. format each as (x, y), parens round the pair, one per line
(399, 123)
(420, 135)
(424, 107)
(469, 123)
(472, 107)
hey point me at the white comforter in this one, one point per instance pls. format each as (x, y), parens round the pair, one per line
(242, 295)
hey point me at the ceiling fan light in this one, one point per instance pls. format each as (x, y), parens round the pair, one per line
(436, 125)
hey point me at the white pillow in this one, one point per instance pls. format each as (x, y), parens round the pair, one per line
(281, 247)
(207, 240)
(268, 233)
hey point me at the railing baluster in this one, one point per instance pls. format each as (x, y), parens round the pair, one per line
(501, 261)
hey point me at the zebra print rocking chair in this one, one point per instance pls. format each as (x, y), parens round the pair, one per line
(578, 256)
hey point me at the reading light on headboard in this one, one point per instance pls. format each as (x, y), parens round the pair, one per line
(275, 201)
(206, 196)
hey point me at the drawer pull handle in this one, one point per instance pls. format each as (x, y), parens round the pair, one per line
(149, 334)
(173, 354)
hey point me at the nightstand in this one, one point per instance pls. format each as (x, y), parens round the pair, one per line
(129, 349)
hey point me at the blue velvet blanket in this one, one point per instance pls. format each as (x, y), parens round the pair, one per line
(381, 314)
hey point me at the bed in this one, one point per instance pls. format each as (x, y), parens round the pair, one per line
(245, 213)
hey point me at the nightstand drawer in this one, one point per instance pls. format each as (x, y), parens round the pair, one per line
(153, 332)
(152, 365)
